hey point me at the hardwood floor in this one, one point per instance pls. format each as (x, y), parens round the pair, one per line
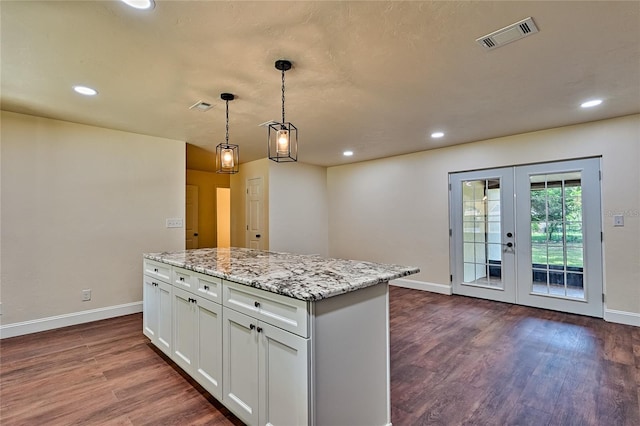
(454, 360)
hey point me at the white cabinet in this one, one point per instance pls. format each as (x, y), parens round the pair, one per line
(284, 369)
(197, 339)
(157, 297)
(240, 361)
(271, 359)
(266, 372)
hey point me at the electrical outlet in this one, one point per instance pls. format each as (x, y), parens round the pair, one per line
(86, 295)
(174, 223)
(618, 220)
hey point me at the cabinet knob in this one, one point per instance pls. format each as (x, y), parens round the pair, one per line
(206, 287)
(155, 269)
(251, 326)
(181, 278)
(259, 330)
(256, 304)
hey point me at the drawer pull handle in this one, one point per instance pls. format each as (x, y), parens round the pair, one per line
(206, 287)
(259, 330)
(181, 278)
(256, 304)
(251, 326)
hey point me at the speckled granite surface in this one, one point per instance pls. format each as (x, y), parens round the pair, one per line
(304, 277)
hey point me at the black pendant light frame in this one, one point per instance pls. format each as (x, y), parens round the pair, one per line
(290, 154)
(227, 155)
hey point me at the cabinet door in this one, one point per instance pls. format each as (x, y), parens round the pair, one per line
(284, 377)
(164, 334)
(240, 365)
(150, 307)
(208, 357)
(184, 326)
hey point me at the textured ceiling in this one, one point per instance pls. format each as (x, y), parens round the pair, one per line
(373, 77)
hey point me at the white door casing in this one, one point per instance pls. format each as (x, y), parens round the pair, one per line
(191, 222)
(529, 235)
(255, 213)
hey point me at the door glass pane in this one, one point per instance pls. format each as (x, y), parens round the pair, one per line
(482, 250)
(557, 251)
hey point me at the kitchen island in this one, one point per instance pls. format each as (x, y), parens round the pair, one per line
(278, 338)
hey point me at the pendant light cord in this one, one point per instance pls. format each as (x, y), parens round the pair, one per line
(227, 138)
(283, 97)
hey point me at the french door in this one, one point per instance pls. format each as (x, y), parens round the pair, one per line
(529, 235)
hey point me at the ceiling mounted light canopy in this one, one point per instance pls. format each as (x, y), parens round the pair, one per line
(283, 137)
(227, 155)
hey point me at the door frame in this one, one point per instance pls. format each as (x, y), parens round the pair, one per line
(594, 306)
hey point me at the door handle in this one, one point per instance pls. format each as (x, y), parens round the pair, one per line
(195, 234)
(257, 235)
(509, 245)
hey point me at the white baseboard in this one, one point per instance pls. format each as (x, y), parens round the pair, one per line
(622, 317)
(423, 285)
(59, 321)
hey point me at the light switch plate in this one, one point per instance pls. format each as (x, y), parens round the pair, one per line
(174, 223)
(618, 220)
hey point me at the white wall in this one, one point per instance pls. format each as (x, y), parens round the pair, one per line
(298, 208)
(80, 205)
(396, 209)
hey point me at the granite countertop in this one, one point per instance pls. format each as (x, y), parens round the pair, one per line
(305, 277)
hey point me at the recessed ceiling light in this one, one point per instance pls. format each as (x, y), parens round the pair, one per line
(437, 135)
(592, 103)
(84, 90)
(347, 153)
(140, 4)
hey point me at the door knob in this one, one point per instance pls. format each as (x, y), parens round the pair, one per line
(257, 235)
(195, 234)
(508, 245)
(509, 234)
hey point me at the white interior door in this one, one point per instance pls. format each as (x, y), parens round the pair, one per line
(191, 212)
(529, 235)
(255, 214)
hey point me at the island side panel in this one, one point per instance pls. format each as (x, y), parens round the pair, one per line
(350, 341)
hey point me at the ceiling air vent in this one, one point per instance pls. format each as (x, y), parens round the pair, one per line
(201, 106)
(508, 34)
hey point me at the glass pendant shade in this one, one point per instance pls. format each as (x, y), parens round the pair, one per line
(283, 142)
(227, 158)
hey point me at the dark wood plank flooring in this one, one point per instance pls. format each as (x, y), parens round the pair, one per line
(454, 361)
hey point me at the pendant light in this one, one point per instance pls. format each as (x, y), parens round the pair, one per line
(283, 137)
(227, 155)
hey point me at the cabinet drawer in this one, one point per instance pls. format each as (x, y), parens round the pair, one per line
(157, 270)
(201, 284)
(208, 287)
(284, 312)
(183, 279)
